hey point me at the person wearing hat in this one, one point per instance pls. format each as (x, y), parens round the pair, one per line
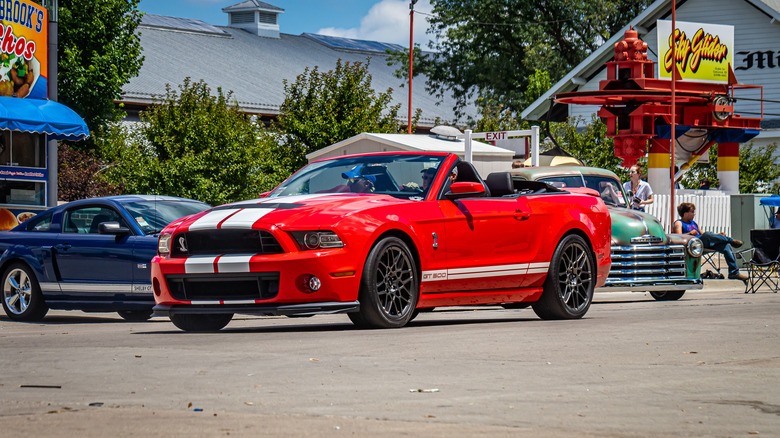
(357, 181)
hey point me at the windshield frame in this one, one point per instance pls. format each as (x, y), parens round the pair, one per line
(399, 174)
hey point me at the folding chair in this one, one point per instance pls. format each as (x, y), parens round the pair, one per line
(711, 258)
(764, 267)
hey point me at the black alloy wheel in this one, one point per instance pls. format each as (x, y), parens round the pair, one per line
(389, 288)
(571, 280)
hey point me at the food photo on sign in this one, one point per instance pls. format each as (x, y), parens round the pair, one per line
(23, 35)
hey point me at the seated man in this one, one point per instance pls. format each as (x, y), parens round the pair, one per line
(716, 242)
(358, 180)
(361, 184)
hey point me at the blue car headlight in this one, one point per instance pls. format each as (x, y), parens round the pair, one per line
(317, 239)
(695, 247)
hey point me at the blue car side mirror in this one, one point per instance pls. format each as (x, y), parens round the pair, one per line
(112, 228)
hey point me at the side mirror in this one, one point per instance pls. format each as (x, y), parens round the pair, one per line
(112, 228)
(460, 190)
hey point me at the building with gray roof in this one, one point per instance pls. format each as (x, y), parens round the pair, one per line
(252, 57)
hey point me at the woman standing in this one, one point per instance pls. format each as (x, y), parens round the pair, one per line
(639, 191)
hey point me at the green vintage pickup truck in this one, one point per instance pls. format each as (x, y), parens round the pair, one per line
(644, 257)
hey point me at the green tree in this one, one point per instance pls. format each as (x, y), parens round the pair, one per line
(757, 169)
(98, 52)
(323, 108)
(589, 143)
(79, 175)
(490, 48)
(192, 144)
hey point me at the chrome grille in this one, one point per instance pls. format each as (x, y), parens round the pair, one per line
(213, 242)
(647, 262)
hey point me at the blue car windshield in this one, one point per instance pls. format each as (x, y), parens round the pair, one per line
(153, 215)
(400, 175)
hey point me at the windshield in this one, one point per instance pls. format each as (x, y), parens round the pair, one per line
(609, 188)
(153, 215)
(400, 175)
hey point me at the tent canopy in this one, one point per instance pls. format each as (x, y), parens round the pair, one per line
(42, 116)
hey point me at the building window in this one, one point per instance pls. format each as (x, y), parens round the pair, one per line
(22, 149)
(242, 17)
(17, 192)
(266, 18)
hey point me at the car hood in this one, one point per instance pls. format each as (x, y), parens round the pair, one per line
(628, 224)
(289, 212)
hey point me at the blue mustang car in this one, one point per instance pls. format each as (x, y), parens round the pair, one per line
(91, 255)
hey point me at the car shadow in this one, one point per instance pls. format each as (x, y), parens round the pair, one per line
(79, 319)
(293, 327)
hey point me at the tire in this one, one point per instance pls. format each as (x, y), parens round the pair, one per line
(667, 295)
(22, 297)
(201, 322)
(571, 279)
(135, 315)
(389, 287)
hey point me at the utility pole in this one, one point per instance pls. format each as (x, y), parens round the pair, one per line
(411, 60)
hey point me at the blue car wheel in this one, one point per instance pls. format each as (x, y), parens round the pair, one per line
(22, 298)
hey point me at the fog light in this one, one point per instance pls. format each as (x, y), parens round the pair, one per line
(314, 283)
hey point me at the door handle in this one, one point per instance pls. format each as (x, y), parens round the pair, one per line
(62, 246)
(522, 215)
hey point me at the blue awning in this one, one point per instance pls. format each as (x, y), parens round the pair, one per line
(772, 201)
(42, 116)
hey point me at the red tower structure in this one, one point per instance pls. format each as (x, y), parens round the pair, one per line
(636, 106)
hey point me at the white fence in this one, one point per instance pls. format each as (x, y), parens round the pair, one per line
(713, 209)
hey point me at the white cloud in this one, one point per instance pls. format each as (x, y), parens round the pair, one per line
(388, 22)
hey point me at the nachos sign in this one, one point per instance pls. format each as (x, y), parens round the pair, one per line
(703, 52)
(24, 36)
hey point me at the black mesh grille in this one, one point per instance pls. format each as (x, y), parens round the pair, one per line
(251, 286)
(217, 242)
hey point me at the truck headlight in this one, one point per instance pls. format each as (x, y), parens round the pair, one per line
(695, 247)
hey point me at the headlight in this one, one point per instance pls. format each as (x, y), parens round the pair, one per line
(317, 239)
(164, 245)
(695, 247)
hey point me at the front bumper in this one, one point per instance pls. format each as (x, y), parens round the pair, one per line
(647, 285)
(304, 309)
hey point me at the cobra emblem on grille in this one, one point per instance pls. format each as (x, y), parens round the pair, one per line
(182, 244)
(647, 238)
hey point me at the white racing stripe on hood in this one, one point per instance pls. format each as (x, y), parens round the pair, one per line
(211, 220)
(245, 218)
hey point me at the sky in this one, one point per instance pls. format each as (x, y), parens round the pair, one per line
(377, 20)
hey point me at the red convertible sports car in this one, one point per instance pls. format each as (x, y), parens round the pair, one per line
(381, 237)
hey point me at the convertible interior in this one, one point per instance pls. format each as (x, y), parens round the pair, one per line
(501, 184)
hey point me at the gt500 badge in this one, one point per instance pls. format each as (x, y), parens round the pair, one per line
(434, 275)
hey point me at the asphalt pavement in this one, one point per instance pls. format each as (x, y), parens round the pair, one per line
(707, 365)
